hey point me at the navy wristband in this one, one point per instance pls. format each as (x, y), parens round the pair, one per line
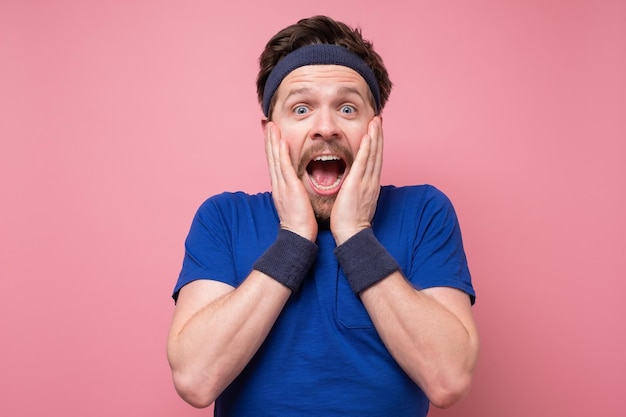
(288, 259)
(364, 260)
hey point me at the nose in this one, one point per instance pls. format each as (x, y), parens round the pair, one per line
(326, 125)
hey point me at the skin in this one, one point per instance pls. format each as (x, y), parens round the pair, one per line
(216, 329)
(324, 110)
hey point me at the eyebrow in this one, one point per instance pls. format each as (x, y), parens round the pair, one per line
(342, 90)
(351, 90)
(298, 91)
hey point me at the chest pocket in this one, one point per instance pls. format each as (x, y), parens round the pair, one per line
(351, 312)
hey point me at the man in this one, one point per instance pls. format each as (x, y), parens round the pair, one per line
(331, 295)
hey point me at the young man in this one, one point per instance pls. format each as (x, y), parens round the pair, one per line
(331, 295)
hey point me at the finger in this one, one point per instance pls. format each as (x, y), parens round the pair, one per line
(286, 168)
(274, 139)
(370, 163)
(269, 152)
(377, 134)
(357, 170)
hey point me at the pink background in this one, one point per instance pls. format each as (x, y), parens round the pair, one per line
(117, 119)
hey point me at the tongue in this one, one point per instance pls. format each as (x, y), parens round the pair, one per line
(324, 173)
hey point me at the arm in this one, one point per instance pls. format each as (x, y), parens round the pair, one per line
(430, 333)
(217, 329)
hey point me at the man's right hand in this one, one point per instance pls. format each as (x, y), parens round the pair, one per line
(290, 197)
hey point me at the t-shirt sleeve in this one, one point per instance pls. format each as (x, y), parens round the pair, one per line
(208, 248)
(439, 259)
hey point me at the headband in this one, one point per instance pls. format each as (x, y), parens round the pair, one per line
(318, 54)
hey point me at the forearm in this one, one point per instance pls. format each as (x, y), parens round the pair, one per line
(211, 347)
(436, 346)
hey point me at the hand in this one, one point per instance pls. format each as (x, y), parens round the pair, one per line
(290, 197)
(355, 205)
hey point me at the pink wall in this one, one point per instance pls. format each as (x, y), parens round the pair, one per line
(118, 118)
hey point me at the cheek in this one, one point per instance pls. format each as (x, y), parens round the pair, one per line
(295, 151)
(355, 140)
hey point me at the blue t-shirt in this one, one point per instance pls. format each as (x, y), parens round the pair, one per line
(323, 356)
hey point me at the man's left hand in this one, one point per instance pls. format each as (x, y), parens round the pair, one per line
(355, 205)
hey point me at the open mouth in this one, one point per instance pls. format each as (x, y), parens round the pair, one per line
(326, 172)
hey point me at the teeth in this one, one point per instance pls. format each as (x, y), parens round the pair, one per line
(324, 158)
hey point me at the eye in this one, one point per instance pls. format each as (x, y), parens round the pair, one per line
(347, 109)
(301, 110)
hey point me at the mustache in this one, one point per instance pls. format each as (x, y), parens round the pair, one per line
(326, 147)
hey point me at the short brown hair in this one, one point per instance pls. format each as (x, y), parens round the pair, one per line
(321, 30)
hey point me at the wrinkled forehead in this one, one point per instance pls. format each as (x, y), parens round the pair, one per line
(314, 56)
(323, 80)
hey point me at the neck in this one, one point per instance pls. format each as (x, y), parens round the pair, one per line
(323, 223)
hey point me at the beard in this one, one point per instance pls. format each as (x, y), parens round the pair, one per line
(323, 204)
(322, 207)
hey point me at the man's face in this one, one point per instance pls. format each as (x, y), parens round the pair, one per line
(323, 112)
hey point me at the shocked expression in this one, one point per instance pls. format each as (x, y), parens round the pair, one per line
(323, 112)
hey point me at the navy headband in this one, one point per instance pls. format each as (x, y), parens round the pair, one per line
(318, 54)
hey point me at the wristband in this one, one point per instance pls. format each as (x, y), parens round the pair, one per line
(364, 260)
(288, 259)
